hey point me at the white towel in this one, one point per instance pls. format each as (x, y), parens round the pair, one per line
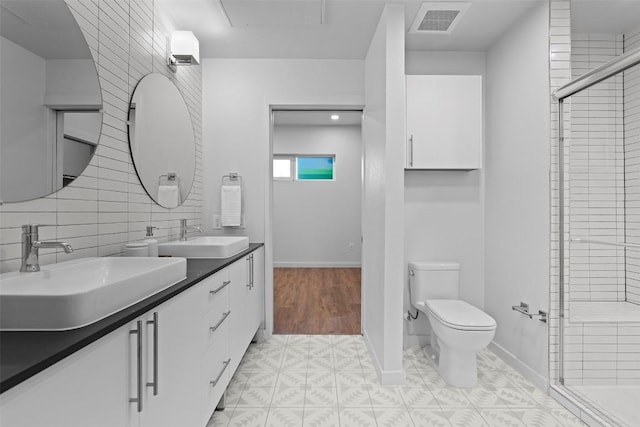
(231, 203)
(169, 196)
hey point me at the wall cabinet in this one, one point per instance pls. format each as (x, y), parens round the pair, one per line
(169, 367)
(444, 122)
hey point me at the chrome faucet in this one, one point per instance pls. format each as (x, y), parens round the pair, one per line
(31, 244)
(184, 228)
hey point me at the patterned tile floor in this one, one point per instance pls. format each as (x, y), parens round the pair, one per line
(329, 380)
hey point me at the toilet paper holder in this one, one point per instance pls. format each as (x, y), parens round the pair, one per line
(523, 308)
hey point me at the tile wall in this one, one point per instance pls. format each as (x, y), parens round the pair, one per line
(597, 272)
(106, 206)
(598, 352)
(632, 166)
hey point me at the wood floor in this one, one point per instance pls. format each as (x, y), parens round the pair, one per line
(316, 300)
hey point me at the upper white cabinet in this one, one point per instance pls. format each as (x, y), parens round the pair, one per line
(444, 122)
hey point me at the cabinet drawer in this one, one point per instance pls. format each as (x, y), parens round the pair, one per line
(213, 290)
(216, 321)
(216, 371)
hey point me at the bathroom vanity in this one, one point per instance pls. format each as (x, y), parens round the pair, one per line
(165, 361)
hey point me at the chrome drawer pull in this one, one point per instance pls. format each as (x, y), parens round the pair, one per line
(224, 284)
(138, 332)
(154, 384)
(217, 325)
(225, 363)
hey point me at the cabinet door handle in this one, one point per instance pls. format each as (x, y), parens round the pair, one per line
(217, 325)
(154, 322)
(224, 368)
(251, 271)
(411, 150)
(224, 284)
(138, 332)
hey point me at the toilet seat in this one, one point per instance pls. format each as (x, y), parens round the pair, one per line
(460, 315)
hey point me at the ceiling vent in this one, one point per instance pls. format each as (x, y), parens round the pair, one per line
(438, 18)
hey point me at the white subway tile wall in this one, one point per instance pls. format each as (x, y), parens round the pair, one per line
(597, 272)
(632, 166)
(107, 206)
(601, 208)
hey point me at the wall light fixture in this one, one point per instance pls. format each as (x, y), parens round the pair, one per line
(183, 49)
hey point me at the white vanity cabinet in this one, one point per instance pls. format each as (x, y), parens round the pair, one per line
(88, 388)
(169, 367)
(215, 361)
(444, 122)
(172, 352)
(143, 374)
(246, 303)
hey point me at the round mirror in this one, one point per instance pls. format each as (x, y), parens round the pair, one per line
(161, 140)
(50, 108)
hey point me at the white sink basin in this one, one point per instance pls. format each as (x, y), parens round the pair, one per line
(205, 247)
(77, 293)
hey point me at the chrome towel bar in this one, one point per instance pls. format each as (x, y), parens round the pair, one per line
(524, 309)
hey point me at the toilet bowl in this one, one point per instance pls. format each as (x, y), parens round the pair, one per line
(458, 329)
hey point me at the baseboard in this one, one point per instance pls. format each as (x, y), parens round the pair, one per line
(524, 369)
(397, 377)
(305, 264)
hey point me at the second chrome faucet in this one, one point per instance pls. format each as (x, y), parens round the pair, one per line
(184, 228)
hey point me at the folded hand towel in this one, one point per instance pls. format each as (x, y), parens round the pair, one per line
(169, 196)
(231, 203)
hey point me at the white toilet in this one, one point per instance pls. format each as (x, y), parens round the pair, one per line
(458, 329)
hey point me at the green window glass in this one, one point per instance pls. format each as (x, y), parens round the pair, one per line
(314, 168)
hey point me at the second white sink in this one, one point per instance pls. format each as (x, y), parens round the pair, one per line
(205, 247)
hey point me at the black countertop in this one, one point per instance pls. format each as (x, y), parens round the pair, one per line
(24, 354)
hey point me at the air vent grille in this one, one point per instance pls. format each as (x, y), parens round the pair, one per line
(438, 20)
(438, 17)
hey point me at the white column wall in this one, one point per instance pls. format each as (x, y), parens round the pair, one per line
(517, 190)
(383, 135)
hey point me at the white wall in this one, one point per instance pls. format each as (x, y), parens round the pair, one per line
(517, 188)
(315, 222)
(237, 96)
(444, 210)
(383, 135)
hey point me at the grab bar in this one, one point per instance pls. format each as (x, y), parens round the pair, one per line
(523, 308)
(602, 242)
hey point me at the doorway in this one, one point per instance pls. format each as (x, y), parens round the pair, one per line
(316, 221)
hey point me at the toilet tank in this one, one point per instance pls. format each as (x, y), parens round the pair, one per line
(433, 280)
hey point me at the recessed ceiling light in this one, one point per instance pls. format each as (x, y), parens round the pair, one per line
(335, 117)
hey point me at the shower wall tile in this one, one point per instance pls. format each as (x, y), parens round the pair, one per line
(604, 205)
(632, 167)
(106, 206)
(597, 272)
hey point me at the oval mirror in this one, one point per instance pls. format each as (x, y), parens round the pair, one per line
(50, 108)
(161, 140)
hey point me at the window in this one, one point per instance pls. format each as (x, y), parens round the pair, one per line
(282, 167)
(314, 168)
(303, 168)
